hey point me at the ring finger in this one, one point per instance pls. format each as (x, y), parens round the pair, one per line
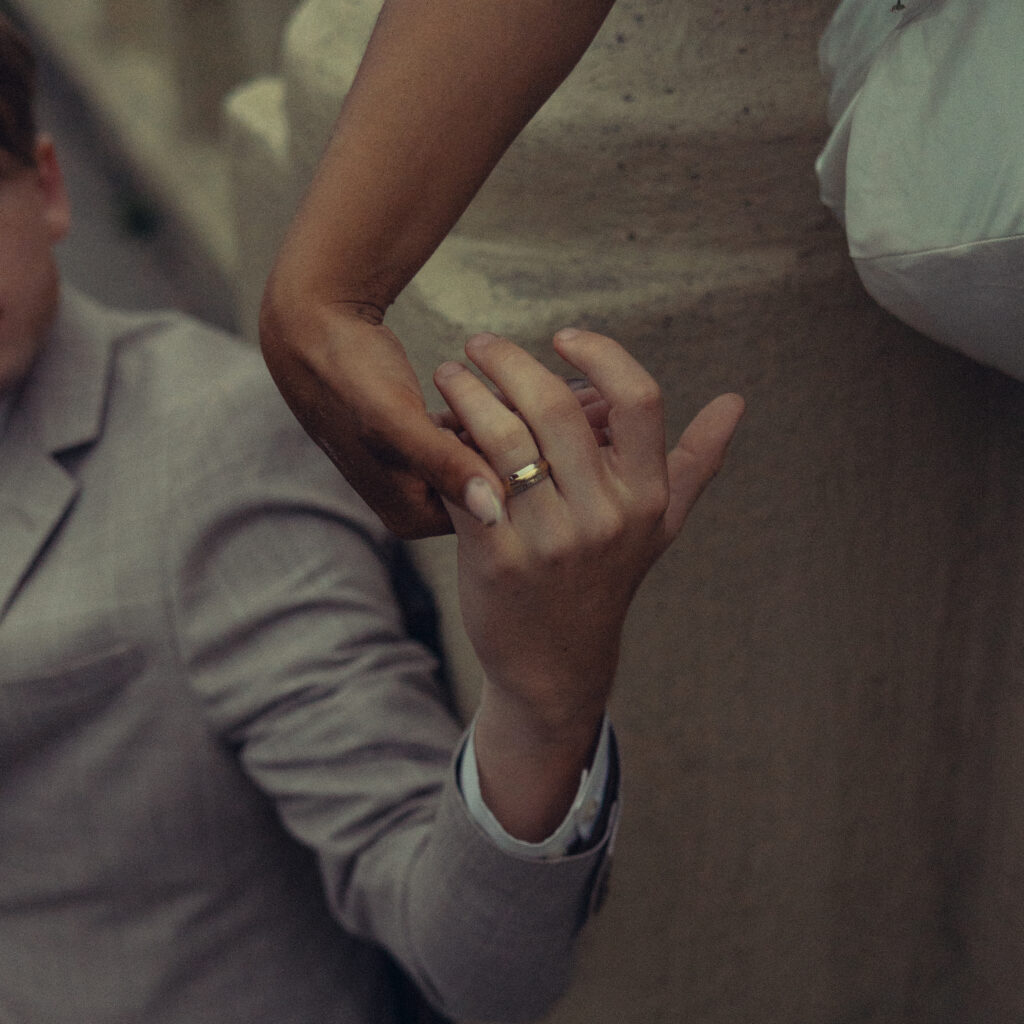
(500, 434)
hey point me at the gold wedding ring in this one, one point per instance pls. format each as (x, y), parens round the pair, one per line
(525, 478)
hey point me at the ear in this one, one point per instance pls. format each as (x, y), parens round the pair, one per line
(56, 206)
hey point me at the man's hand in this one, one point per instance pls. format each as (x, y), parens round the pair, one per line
(545, 591)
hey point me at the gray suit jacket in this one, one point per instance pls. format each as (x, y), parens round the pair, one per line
(227, 793)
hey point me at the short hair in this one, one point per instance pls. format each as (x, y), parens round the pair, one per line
(17, 95)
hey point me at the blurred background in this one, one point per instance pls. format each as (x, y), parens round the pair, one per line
(124, 247)
(137, 117)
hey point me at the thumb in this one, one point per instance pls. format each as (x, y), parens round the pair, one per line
(462, 477)
(698, 456)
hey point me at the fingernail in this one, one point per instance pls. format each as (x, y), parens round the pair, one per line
(448, 369)
(568, 333)
(577, 383)
(481, 501)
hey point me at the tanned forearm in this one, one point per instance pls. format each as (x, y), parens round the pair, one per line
(443, 89)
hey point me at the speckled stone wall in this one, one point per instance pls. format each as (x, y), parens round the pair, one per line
(818, 705)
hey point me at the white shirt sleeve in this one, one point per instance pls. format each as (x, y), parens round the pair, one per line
(577, 826)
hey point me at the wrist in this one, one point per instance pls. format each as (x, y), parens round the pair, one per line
(581, 824)
(540, 726)
(530, 765)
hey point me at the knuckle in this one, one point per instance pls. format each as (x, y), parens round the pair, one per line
(605, 529)
(507, 439)
(646, 396)
(655, 500)
(498, 565)
(557, 545)
(558, 404)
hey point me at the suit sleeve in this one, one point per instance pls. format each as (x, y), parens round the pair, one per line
(292, 636)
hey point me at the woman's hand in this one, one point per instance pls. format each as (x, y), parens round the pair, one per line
(353, 389)
(545, 591)
(442, 90)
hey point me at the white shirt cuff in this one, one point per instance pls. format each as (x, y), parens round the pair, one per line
(577, 826)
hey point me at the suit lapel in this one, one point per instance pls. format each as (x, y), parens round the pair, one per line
(35, 493)
(60, 407)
